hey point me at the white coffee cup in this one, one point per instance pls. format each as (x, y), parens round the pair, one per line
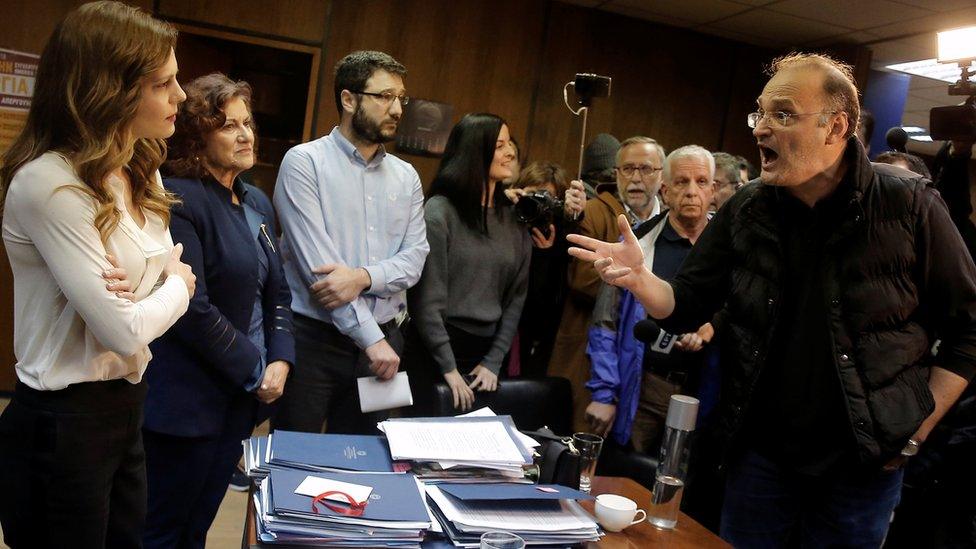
(615, 513)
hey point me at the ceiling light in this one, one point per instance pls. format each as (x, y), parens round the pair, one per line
(923, 138)
(929, 68)
(913, 129)
(957, 45)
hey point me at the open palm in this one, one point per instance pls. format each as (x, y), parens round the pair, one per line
(618, 263)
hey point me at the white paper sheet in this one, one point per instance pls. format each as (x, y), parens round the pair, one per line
(313, 486)
(454, 441)
(376, 394)
(486, 411)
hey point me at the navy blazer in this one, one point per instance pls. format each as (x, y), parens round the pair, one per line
(201, 366)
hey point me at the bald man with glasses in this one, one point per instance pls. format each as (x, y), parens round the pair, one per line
(838, 275)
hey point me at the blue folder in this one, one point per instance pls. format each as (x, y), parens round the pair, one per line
(318, 451)
(489, 492)
(395, 496)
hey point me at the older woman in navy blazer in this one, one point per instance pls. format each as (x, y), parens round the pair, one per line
(216, 370)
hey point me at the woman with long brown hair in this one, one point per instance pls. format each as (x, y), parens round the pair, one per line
(81, 183)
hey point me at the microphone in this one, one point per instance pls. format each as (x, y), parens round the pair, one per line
(897, 138)
(657, 340)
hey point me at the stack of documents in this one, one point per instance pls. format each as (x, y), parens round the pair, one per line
(541, 515)
(255, 457)
(389, 509)
(460, 448)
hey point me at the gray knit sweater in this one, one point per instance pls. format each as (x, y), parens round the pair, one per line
(471, 281)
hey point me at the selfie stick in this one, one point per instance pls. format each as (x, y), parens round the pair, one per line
(584, 110)
(587, 87)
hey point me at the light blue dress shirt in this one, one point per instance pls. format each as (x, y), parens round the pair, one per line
(334, 207)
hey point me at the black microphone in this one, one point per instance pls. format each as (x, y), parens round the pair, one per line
(897, 138)
(648, 332)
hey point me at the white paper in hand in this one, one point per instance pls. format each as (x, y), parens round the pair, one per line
(375, 394)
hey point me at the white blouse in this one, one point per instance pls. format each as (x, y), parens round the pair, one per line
(67, 327)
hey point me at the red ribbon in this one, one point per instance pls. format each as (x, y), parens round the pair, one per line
(355, 508)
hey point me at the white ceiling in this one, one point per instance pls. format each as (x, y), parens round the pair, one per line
(894, 30)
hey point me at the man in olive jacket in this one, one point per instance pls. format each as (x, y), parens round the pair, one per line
(640, 161)
(837, 275)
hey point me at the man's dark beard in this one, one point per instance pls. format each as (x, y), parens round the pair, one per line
(367, 130)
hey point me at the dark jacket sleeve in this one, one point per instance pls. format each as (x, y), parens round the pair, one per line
(948, 292)
(203, 328)
(702, 284)
(278, 327)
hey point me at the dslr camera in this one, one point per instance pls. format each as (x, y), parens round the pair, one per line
(538, 209)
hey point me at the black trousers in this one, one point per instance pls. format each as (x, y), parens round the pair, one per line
(188, 478)
(322, 384)
(72, 467)
(468, 349)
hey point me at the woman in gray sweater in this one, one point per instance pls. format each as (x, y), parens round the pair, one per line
(466, 308)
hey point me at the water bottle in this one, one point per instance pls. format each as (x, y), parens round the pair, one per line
(669, 480)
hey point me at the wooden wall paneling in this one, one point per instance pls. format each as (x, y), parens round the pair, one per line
(469, 54)
(301, 20)
(30, 22)
(745, 85)
(199, 56)
(668, 84)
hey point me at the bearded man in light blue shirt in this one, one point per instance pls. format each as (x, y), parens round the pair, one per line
(353, 240)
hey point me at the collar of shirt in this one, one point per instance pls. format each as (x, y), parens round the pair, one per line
(636, 219)
(239, 188)
(352, 152)
(671, 235)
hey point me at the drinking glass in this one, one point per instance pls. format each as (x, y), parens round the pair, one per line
(588, 445)
(501, 540)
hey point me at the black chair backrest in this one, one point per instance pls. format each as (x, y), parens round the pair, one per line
(532, 403)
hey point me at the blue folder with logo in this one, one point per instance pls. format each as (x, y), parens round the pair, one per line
(313, 451)
(395, 497)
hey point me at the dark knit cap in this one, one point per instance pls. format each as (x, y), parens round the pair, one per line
(599, 157)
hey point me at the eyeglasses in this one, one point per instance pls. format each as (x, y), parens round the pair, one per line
(386, 98)
(780, 118)
(645, 171)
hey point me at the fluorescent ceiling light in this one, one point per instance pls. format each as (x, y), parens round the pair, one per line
(929, 68)
(913, 129)
(925, 138)
(957, 45)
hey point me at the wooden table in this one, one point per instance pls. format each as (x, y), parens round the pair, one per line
(687, 534)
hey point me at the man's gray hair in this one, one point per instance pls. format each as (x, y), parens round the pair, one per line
(640, 140)
(728, 165)
(688, 151)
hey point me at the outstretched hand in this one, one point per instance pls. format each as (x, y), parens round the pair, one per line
(618, 263)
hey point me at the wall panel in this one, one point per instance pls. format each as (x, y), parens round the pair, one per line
(477, 56)
(303, 20)
(669, 84)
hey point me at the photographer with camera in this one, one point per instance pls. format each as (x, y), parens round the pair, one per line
(549, 220)
(639, 162)
(634, 374)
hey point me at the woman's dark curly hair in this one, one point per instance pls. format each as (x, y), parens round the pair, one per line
(199, 115)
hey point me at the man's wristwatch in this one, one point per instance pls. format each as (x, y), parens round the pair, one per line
(911, 448)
